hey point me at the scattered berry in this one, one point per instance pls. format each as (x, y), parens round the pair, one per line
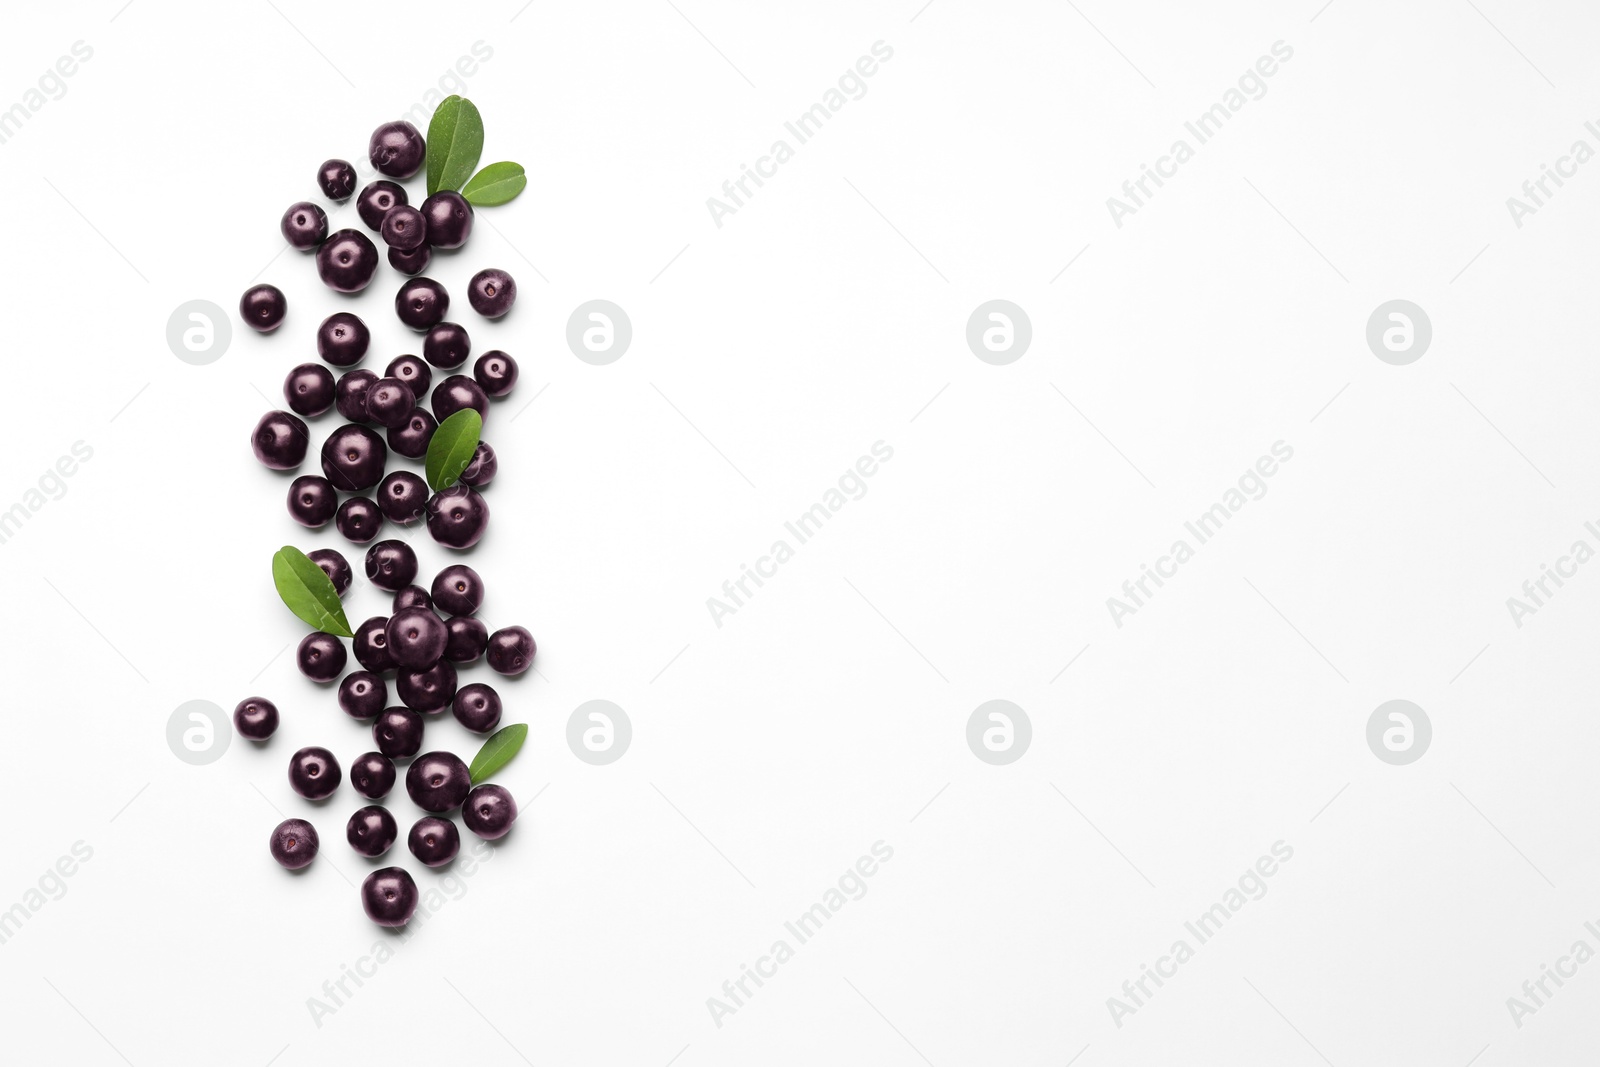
(396, 149)
(391, 565)
(314, 773)
(511, 650)
(363, 694)
(293, 843)
(279, 440)
(312, 500)
(372, 775)
(489, 811)
(358, 519)
(337, 179)
(434, 841)
(304, 225)
(491, 292)
(342, 339)
(262, 307)
(346, 261)
(495, 372)
(477, 707)
(438, 781)
(389, 896)
(309, 389)
(371, 831)
(255, 718)
(321, 657)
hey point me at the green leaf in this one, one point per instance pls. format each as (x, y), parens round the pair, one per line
(452, 447)
(309, 592)
(455, 141)
(495, 184)
(497, 751)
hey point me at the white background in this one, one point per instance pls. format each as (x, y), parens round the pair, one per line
(830, 712)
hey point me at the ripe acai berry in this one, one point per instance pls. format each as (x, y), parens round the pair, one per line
(434, 841)
(312, 500)
(389, 897)
(438, 781)
(337, 179)
(411, 370)
(389, 402)
(377, 199)
(346, 261)
(416, 638)
(372, 775)
(449, 219)
(398, 733)
(314, 773)
(468, 637)
(396, 149)
(255, 718)
(262, 307)
(321, 657)
(491, 292)
(293, 843)
(362, 694)
(477, 707)
(421, 303)
(446, 345)
(371, 831)
(413, 262)
(353, 458)
(334, 565)
(411, 439)
(279, 440)
(489, 811)
(458, 516)
(350, 394)
(403, 497)
(358, 519)
(481, 471)
(342, 339)
(458, 589)
(304, 225)
(457, 392)
(412, 596)
(404, 229)
(511, 650)
(309, 389)
(391, 565)
(495, 372)
(428, 690)
(371, 645)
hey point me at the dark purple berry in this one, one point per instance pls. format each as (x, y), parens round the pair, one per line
(457, 392)
(477, 707)
(358, 519)
(481, 471)
(255, 718)
(403, 497)
(404, 229)
(496, 372)
(449, 219)
(411, 438)
(377, 199)
(334, 565)
(372, 775)
(371, 645)
(396, 149)
(458, 516)
(428, 690)
(489, 811)
(309, 389)
(371, 831)
(350, 394)
(468, 637)
(434, 841)
(353, 458)
(491, 292)
(262, 307)
(421, 302)
(312, 500)
(342, 339)
(391, 565)
(346, 261)
(279, 440)
(511, 650)
(293, 843)
(389, 402)
(314, 773)
(416, 639)
(337, 179)
(458, 589)
(398, 733)
(362, 695)
(438, 781)
(389, 896)
(411, 370)
(413, 262)
(304, 225)
(321, 657)
(446, 345)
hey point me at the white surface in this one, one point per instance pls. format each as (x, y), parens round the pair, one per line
(806, 728)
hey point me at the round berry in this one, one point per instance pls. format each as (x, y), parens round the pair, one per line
(362, 694)
(304, 225)
(446, 345)
(421, 303)
(371, 645)
(398, 733)
(337, 179)
(511, 650)
(371, 831)
(353, 458)
(309, 389)
(458, 589)
(416, 639)
(389, 402)
(293, 843)
(434, 841)
(438, 781)
(495, 372)
(376, 201)
(350, 394)
(262, 307)
(458, 516)
(396, 149)
(372, 775)
(491, 292)
(403, 497)
(279, 440)
(489, 811)
(342, 339)
(404, 229)
(411, 438)
(427, 690)
(255, 718)
(334, 565)
(457, 392)
(346, 261)
(449, 219)
(477, 707)
(484, 466)
(314, 773)
(411, 370)
(412, 596)
(312, 500)
(358, 519)
(389, 896)
(413, 262)
(321, 657)
(468, 637)
(391, 565)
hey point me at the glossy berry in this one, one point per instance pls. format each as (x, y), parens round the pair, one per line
(434, 841)
(481, 471)
(413, 262)
(491, 292)
(372, 775)
(396, 149)
(346, 261)
(511, 650)
(293, 843)
(353, 458)
(334, 565)
(495, 372)
(309, 389)
(403, 497)
(449, 219)
(371, 645)
(398, 733)
(371, 831)
(411, 370)
(312, 500)
(304, 225)
(350, 394)
(262, 307)
(377, 199)
(429, 690)
(389, 897)
(337, 179)
(279, 440)
(416, 638)
(457, 392)
(362, 694)
(413, 596)
(391, 565)
(467, 640)
(421, 303)
(358, 519)
(447, 345)
(389, 402)
(412, 437)
(458, 589)
(458, 516)
(342, 339)
(477, 707)
(404, 229)
(489, 811)
(438, 781)
(255, 718)
(321, 657)
(314, 773)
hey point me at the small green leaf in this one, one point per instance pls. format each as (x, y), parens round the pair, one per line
(495, 184)
(452, 447)
(455, 141)
(309, 592)
(497, 751)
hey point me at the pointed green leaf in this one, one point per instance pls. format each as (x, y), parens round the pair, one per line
(497, 751)
(455, 141)
(452, 447)
(309, 592)
(495, 184)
